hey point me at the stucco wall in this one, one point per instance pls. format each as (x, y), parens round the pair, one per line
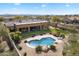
(45, 25)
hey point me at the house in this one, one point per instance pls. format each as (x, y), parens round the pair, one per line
(27, 25)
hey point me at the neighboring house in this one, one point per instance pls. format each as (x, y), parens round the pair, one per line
(8, 18)
(67, 20)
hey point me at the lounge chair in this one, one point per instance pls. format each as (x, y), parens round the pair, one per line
(33, 35)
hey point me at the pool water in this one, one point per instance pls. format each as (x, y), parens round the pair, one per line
(44, 41)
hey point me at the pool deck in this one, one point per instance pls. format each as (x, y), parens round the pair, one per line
(32, 52)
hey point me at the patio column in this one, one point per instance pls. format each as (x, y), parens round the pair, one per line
(17, 29)
(40, 27)
(28, 29)
(44, 27)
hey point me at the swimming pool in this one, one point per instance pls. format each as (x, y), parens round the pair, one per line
(47, 41)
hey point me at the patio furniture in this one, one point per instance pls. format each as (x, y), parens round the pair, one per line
(33, 35)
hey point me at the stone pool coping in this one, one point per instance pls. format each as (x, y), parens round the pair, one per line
(39, 37)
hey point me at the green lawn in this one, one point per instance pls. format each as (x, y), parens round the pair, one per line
(55, 30)
(29, 34)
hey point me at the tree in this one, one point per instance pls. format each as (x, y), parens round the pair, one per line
(46, 17)
(18, 18)
(39, 17)
(55, 19)
(1, 19)
(4, 34)
(3, 30)
(25, 17)
(16, 36)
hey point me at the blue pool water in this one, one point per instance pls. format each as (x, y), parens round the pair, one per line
(44, 41)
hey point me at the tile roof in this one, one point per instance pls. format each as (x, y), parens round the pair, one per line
(32, 21)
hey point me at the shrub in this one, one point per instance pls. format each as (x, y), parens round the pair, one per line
(16, 36)
(1, 50)
(64, 53)
(53, 48)
(62, 35)
(25, 54)
(18, 47)
(18, 32)
(56, 34)
(38, 49)
(25, 41)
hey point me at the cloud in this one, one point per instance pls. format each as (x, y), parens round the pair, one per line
(17, 3)
(43, 5)
(35, 7)
(14, 8)
(67, 5)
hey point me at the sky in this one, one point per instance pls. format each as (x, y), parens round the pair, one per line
(39, 8)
